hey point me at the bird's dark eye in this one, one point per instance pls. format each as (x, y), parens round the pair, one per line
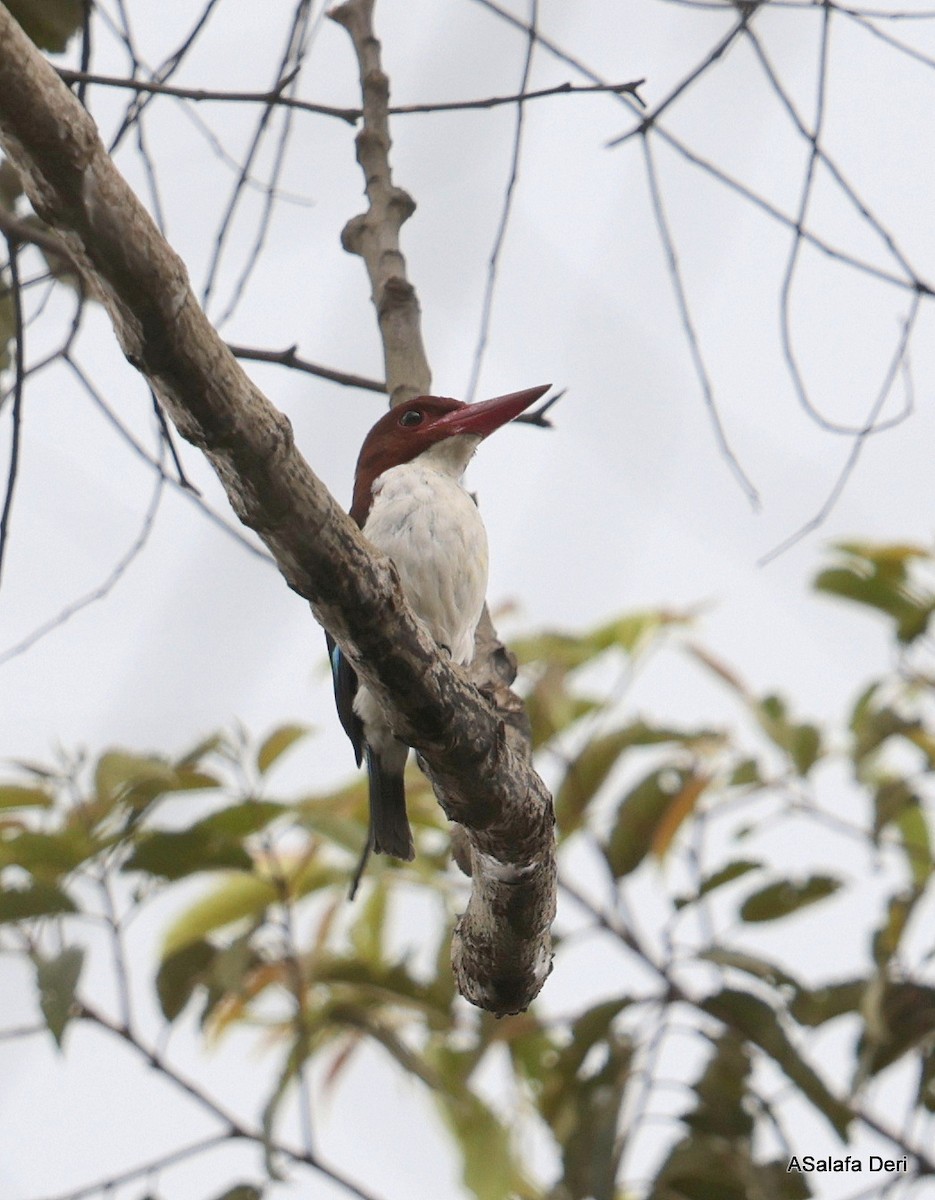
(412, 416)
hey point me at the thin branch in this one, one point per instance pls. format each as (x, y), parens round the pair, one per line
(272, 97)
(101, 591)
(161, 1163)
(289, 358)
(521, 97)
(870, 426)
(351, 116)
(713, 55)
(233, 1127)
(494, 260)
(16, 415)
(691, 336)
(291, 68)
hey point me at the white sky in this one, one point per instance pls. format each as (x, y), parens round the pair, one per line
(626, 504)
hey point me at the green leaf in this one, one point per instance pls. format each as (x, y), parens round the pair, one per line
(242, 1191)
(489, 1169)
(14, 795)
(586, 774)
(552, 707)
(815, 1006)
(139, 779)
(639, 815)
(752, 1017)
(276, 745)
(239, 896)
(880, 577)
(48, 856)
(721, 1091)
(751, 964)
(802, 742)
(175, 855)
(630, 633)
(37, 900)
(917, 846)
(728, 873)
(904, 1017)
(180, 974)
(591, 1152)
(57, 979)
(50, 23)
(886, 939)
(780, 899)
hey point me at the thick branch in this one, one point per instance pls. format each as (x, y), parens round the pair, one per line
(502, 952)
(374, 235)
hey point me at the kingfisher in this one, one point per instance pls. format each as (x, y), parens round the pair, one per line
(410, 502)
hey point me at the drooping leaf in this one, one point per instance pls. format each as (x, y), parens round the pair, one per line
(801, 741)
(721, 1109)
(751, 964)
(916, 843)
(180, 973)
(591, 1151)
(682, 806)
(489, 1169)
(886, 938)
(57, 978)
(753, 1017)
(277, 743)
(552, 706)
(787, 896)
(640, 813)
(37, 900)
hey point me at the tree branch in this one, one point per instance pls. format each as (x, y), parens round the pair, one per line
(374, 235)
(513, 870)
(502, 949)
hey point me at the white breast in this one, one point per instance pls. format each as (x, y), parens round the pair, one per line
(425, 521)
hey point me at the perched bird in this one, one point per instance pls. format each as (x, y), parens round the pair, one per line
(410, 502)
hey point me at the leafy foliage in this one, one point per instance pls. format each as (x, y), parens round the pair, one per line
(684, 815)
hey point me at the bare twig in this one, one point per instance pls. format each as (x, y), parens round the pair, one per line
(487, 307)
(289, 358)
(16, 415)
(198, 95)
(694, 345)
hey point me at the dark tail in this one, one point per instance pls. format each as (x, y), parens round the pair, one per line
(389, 825)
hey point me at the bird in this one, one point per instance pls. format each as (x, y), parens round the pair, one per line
(410, 502)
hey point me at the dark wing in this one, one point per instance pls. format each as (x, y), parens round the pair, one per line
(344, 678)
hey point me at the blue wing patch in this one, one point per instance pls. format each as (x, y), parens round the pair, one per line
(344, 679)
